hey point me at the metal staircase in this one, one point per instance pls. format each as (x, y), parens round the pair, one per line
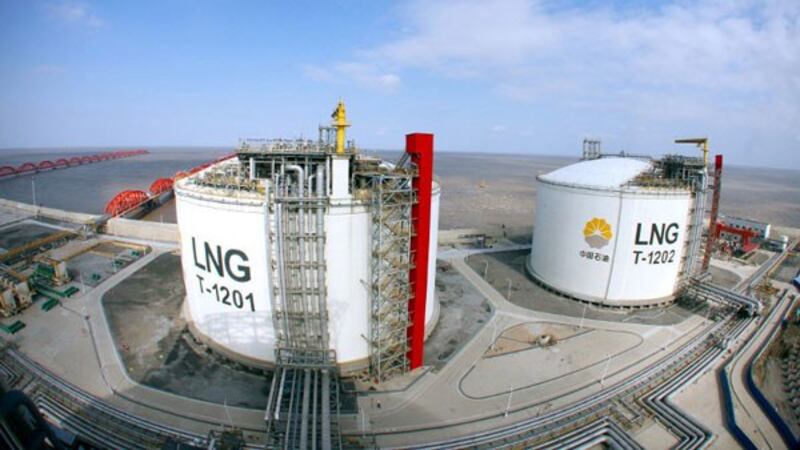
(390, 290)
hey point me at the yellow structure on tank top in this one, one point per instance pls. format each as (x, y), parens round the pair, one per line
(340, 122)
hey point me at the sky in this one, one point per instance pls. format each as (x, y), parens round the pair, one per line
(506, 76)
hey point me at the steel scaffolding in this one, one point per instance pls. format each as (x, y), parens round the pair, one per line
(301, 317)
(392, 197)
(303, 404)
(681, 172)
(297, 232)
(695, 229)
(591, 149)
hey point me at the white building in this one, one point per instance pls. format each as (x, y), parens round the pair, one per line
(760, 228)
(281, 246)
(616, 231)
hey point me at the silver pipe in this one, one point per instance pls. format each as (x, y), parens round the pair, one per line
(326, 411)
(304, 412)
(310, 183)
(281, 271)
(280, 395)
(301, 242)
(321, 288)
(299, 171)
(320, 180)
(314, 419)
(329, 178)
(290, 413)
(267, 230)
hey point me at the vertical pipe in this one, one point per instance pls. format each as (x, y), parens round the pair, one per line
(320, 180)
(252, 168)
(712, 221)
(701, 187)
(328, 178)
(314, 418)
(280, 395)
(310, 182)
(268, 200)
(300, 231)
(321, 267)
(420, 147)
(290, 416)
(300, 177)
(325, 437)
(305, 411)
(281, 270)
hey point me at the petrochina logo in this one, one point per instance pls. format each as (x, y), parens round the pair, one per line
(597, 232)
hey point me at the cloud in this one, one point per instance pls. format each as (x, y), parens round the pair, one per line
(363, 74)
(733, 63)
(75, 13)
(317, 73)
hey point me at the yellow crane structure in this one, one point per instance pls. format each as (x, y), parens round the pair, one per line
(340, 122)
(711, 238)
(702, 144)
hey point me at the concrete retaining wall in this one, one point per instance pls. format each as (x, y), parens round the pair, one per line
(138, 229)
(730, 412)
(469, 235)
(50, 213)
(769, 409)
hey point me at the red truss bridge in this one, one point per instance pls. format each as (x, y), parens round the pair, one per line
(128, 202)
(30, 168)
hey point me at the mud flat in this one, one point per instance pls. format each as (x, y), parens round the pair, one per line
(500, 267)
(143, 313)
(463, 311)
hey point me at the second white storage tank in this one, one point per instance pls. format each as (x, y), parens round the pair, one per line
(602, 236)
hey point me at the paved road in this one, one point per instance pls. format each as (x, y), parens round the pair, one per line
(461, 253)
(749, 416)
(190, 414)
(77, 345)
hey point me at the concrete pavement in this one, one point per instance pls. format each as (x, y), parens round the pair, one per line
(749, 415)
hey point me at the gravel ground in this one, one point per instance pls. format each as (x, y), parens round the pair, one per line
(723, 277)
(143, 313)
(788, 268)
(505, 266)
(463, 312)
(21, 234)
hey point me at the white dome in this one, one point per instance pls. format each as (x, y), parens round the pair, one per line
(607, 172)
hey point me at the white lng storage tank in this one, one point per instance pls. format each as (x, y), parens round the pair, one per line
(285, 246)
(618, 231)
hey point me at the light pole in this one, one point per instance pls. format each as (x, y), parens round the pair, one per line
(363, 422)
(485, 269)
(583, 316)
(605, 370)
(494, 335)
(33, 189)
(508, 293)
(508, 404)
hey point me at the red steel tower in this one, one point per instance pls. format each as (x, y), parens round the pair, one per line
(420, 147)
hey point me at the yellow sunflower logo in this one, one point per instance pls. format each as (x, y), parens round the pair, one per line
(597, 232)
